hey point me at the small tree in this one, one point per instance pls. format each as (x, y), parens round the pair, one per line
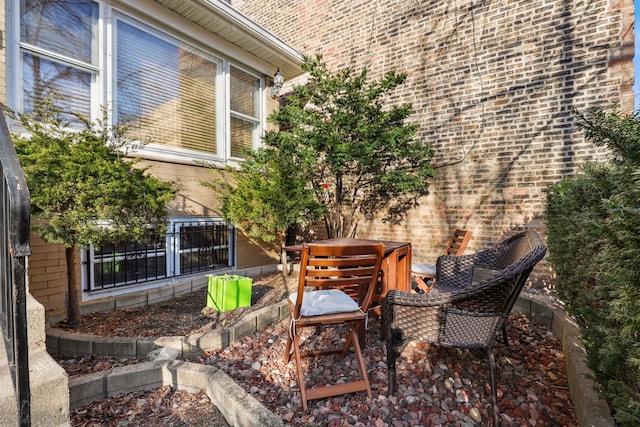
(266, 196)
(82, 189)
(351, 148)
(340, 153)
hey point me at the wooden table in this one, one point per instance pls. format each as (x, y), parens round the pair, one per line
(396, 265)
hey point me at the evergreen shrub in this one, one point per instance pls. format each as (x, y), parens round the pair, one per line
(594, 246)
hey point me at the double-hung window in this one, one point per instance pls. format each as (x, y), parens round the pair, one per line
(58, 55)
(175, 94)
(163, 91)
(244, 111)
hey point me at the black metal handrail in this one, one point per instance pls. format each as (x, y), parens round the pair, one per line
(14, 248)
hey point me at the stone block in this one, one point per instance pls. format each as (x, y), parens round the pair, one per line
(199, 282)
(590, 409)
(49, 391)
(160, 294)
(142, 376)
(182, 288)
(131, 301)
(144, 346)
(74, 345)
(115, 346)
(561, 321)
(53, 340)
(243, 327)
(252, 272)
(36, 324)
(267, 315)
(8, 402)
(238, 407)
(284, 310)
(540, 312)
(106, 306)
(188, 376)
(212, 340)
(87, 388)
(523, 305)
(175, 342)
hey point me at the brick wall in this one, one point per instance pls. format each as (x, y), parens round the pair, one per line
(47, 280)
(492, 85)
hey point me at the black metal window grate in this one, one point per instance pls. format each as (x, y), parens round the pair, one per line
(190, 246)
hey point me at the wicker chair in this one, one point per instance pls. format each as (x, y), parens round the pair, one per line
(469, 304)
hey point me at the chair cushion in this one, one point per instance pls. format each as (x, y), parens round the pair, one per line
(420, 268)
(325, 301)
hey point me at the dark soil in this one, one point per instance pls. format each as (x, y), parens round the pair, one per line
(185, 315)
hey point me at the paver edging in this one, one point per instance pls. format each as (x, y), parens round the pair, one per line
(72, 344)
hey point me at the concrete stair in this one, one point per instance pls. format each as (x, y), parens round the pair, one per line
(48, 381)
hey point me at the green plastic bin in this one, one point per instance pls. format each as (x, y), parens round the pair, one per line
(229, 292)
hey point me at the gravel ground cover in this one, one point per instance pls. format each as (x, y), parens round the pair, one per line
(436, 386)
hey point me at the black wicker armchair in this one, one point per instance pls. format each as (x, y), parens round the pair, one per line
(469, 304)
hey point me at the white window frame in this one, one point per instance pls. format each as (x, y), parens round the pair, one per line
(102, 90)
(256, 142)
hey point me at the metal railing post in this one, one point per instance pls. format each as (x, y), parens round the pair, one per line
(14, 248)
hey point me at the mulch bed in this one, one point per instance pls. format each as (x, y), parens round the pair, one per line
(164, 406)
(185, 315)
(436, 386)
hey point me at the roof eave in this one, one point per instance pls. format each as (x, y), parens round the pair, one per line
(284, 57)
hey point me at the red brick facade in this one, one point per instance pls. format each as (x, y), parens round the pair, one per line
(493, 86)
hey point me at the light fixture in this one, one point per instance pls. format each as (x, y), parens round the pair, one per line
(276, 85)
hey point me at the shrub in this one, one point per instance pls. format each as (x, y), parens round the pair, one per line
(594, 247)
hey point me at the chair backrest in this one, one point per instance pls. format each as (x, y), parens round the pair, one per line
(526, 250)
(458, 242)
(354, 269)
(506, 268)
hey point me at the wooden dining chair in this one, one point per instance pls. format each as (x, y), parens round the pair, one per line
(325, 273)
(425, 274)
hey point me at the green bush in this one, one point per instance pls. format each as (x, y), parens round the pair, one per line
(594, 246)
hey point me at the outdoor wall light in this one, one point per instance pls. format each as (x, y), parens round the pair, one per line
(276, 85)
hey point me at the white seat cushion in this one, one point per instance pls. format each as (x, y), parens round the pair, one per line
(326, 301)
(420, 268)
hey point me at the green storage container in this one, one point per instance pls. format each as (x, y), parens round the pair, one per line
(229, 292)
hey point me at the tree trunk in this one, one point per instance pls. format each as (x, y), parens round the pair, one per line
(73, 303)
(284, 264)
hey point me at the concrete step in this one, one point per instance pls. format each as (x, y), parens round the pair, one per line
(48, 381)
